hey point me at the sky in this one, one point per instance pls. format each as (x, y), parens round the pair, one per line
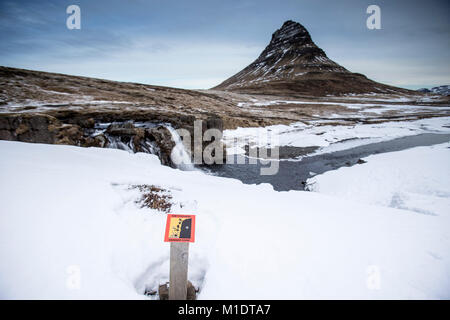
(199, 43)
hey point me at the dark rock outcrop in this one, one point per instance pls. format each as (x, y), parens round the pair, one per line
(157, 140)
(163, 292)
(162, 137)
(43, 128)
(40, 128)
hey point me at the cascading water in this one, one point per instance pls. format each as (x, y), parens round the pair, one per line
(117, 143)
(179, 156)
(124, 141)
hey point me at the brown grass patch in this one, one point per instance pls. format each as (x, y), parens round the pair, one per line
(154, 197)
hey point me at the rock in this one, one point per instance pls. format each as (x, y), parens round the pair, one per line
(163, 291)
(122, 129)
(100, 140)
(134, 137)
(191, 292)
(150, 292)
(87, 123)
(6, 135)
(21, 129)
(361, 161)
(37, 128)
(69, 134)
(42, 128)
(162, 138)
(213, 122)
(97, 141)
(138, 139)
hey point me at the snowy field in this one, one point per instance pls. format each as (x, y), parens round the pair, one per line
(329, 138)
(70, 229)
(363, 106)
(416, 179)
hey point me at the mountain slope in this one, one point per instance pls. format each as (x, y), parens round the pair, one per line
(442, 90)
(293, 64)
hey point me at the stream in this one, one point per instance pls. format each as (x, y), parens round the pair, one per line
(292, 175)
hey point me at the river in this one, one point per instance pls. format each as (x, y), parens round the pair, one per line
(292, 175)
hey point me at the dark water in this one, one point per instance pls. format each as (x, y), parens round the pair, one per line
(293, 174)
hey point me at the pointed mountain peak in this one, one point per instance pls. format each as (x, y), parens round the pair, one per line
(291, 31)
(292, 41)
(293, 63)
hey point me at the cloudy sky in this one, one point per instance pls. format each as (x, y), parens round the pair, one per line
(199, 43)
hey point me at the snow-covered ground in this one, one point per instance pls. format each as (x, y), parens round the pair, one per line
(416, 179)
(329, 137)
(77, 103)
(376, 97)
(363, 107)
(70, 228)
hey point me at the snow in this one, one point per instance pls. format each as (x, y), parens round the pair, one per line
(366, 107)
(441, 90)
(67, 214)
(330, 137)
(42, 106)
(416, 179)
(381, 98)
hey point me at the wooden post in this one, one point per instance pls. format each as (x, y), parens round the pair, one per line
(180, 230)
(179, 255)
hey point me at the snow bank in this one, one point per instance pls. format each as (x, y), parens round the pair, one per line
(70, 228)
(365, 107)
(416, 179)
(330, 137)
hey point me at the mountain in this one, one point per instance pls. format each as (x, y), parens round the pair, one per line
(442, 90)
(293, 64)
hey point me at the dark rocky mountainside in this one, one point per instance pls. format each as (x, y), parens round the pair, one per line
(293, 64)
(442, 90)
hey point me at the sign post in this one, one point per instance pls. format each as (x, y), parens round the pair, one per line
(180, 230)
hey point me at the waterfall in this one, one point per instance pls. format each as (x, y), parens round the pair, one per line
(179, 156)
(117, 143)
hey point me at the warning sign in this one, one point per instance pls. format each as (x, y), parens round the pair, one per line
(180, 228)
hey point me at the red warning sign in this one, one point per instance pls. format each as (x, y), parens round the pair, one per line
(180, 228)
